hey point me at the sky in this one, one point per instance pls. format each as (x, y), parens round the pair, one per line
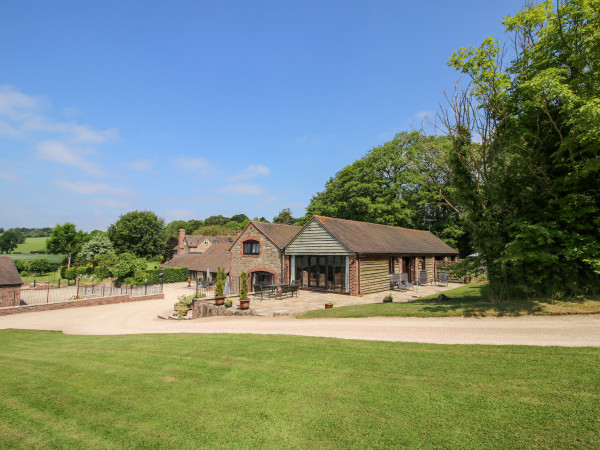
(195, 108)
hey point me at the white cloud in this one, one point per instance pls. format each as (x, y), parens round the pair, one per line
(140, 165)
(252, 171)
(87, 188)
(9, 131)
(201, 166)
(59, 152)
(23, 116)
(15, 105)
(8, 177)
(424, 114)
(242, 189)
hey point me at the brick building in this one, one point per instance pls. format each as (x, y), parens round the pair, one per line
(258, 251)
(10, 283)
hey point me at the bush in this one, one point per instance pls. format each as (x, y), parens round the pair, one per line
(63, 270)
(71, 273)
(39, 266)
(101, 273)
(220, 283)
(388, 299)
(244, 286)
(22, 266)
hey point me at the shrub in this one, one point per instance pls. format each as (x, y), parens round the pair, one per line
(22, 266)
(228, 303)
(63, 270)
(101, 273)
(40, 265)
(244, 286)
(388, 299)
(71, 273)
(220, 283)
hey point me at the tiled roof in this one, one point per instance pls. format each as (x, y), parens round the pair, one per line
(9, 275)
(279, 234)
(216, 255)
(372, 238)
(193, 240)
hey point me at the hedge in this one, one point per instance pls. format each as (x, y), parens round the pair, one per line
(171, 275)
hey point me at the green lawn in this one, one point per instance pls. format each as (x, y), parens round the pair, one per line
(464, 301)
(249, 391)
(32, 245)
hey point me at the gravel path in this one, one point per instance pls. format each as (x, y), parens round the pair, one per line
(141, 317)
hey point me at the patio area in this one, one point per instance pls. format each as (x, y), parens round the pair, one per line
(309, 300)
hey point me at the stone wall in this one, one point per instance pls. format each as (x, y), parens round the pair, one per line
(79, 303)
(268, 260)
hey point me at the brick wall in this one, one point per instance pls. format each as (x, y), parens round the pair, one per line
(354, 279)
(80, 303)
(10, 295)
(269, 259)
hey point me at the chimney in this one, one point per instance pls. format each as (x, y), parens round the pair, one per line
(237, 233)
(180, 247)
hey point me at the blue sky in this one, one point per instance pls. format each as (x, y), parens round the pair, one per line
(191, 108)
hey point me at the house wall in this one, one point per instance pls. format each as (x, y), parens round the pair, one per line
(268, 260)
(315, 240)
(374, 274)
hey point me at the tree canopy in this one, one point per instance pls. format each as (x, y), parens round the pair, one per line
(65, 239)
(385, 187)
(525, 161)
(10, 239)
(285, 217)
(138, 232)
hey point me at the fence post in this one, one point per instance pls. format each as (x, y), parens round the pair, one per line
(77, 281)
(48, 294)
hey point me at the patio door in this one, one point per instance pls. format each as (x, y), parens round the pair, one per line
(262, 278)
(406, 267)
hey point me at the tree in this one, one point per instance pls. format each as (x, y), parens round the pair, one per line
(40, 266)
(138, 232)
(285, 217)
(97, 245)
(65, 239)
(172, 241)
(10, 239)
(525, 160)
(127, 264)
(216, 220)
(385, 187)
(240, 218)
(213, 230)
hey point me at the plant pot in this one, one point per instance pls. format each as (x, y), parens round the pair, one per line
(328, 306)
(219, 301)
(181, 308)
(244, 304)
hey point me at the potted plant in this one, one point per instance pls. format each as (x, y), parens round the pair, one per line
(219, 287)
(329, 305)
(244, 302)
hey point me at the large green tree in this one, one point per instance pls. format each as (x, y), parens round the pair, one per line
(10, 239)
(285, 217)
(139, 232)
(525, 160)
(66, 240)
(99, 244)
(385, 186)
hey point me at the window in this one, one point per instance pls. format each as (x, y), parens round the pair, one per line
(251, 248)
(391, 265)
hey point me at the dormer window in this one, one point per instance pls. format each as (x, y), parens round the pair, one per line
(251, 248)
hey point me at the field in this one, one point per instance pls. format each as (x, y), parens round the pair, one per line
(249, 391)
(463, 301)
(34, 245)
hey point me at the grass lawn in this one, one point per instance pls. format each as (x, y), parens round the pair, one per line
(464, 301)
(32, 245)
(45, 277)
(249, 391)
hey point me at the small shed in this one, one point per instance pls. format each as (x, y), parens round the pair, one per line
(10, 283)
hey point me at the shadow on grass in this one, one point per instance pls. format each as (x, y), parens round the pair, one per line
(469, 301)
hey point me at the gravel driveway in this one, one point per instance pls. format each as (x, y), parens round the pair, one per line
(141, 317)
